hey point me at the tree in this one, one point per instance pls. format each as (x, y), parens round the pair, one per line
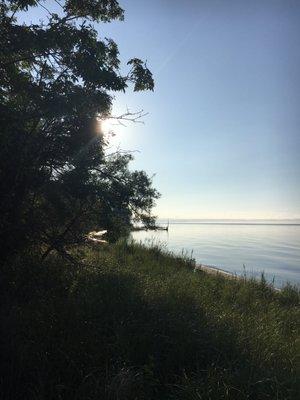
(57, 80)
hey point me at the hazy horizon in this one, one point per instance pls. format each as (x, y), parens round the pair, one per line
(224, 221)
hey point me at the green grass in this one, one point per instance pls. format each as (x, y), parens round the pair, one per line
(136, 323)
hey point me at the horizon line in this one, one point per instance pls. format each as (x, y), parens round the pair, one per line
(231, 221)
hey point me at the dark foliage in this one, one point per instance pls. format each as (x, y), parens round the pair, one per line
(57, 79)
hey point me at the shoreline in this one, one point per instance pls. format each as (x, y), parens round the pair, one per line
(210, 269)
(213, 270)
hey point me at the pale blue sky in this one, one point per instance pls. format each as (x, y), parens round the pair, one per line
(222, 134)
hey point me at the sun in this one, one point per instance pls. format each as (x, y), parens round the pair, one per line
(102, 127)
(111, 130)
(107, 127)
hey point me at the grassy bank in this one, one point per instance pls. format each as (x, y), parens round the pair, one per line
(136, 323)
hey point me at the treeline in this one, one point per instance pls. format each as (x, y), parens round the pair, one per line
(57, 81)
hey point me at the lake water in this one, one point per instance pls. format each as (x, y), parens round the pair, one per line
(236, 246)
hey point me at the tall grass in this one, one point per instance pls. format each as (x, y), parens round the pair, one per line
(136, 323)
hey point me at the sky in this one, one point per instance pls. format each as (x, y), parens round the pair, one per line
(222, 132)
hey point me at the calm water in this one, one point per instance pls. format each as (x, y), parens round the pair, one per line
(268, 246)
